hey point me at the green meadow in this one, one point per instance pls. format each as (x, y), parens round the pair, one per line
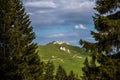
(71, 59)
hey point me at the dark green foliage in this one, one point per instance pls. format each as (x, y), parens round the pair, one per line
(49, 71)
(85, 69)
(90, 71)
(106, 50)
(18, 57)
(104, 6)
(60, 74)
(72, 76)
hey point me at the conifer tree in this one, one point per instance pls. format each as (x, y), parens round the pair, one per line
(60, 74)
(49, 71)
(106, 50)
(85, 69)
(18, 57)
(90, 71)
(72, 76)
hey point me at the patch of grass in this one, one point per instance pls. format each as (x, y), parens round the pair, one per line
(70, 61)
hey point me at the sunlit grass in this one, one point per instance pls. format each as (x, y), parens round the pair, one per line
(70, 61)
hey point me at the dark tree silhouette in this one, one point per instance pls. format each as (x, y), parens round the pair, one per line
(60, 74)
(18, 57)
(106, 49)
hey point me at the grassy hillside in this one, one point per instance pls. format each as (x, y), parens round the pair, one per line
(71, 59)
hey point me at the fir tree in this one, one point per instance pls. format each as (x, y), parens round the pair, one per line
(72, 76)
(90, 71)
(49, 71)
(60, 74)
(85, 69)
(106, 50)
(18, 57)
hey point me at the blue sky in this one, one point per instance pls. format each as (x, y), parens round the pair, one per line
(63, 20)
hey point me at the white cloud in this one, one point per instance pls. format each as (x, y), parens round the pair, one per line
(80, 26)
(30, 13)
(42, 11)
(73, 5)
(57, 35)
(41, 4)
(47, 14)
(63, 35)
(52, 12)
